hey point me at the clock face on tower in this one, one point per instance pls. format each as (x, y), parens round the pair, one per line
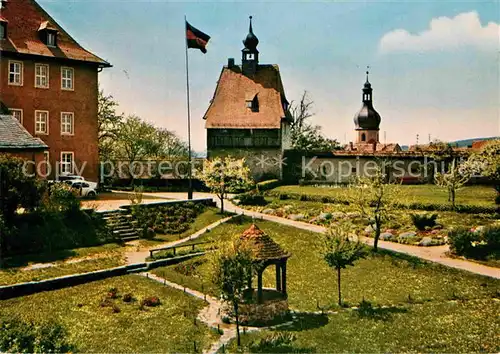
(250, 56)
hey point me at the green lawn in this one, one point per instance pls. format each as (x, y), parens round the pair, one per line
(209, 216)
(169, 327)
(474, 195)
(65, 262)
(422, 312)
(446, 327)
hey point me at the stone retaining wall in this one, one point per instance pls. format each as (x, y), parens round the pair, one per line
(23, 289)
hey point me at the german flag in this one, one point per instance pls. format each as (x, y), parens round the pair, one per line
(196, 38)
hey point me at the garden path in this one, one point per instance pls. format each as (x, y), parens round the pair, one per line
(139, 255)
(435, 254)
(210, 315)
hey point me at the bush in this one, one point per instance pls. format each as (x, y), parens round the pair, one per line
(252, 198)
(22, 337)
(151, 301)
(267, 185)
(423, 221)
(463, 241)
(128, 297)
(491, 236)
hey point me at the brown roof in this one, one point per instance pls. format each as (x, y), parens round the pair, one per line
(262, 245)
(13, 136)
(228, 107)
(25, 19)
(374, 147)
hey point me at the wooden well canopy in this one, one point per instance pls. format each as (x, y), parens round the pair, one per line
(266, 252)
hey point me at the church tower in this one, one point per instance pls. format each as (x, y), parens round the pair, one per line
(250, 54)
(367, 121)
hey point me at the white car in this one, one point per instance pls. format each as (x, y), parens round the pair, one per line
(85, 188)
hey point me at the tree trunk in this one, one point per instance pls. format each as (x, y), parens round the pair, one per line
(237, 317)
(377, 233)
(338, 285)
(221, 205)
(452, 192)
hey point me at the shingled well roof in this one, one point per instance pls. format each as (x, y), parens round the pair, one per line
(13, 136)
(228, 107)
(262, 245)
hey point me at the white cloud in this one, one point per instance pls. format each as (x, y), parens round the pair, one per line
(445, 33)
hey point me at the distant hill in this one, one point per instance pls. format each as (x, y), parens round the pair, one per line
(468, 142)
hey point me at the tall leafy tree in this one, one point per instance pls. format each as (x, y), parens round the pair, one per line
(232, 267)
(487, 162)
(138, 140)
(339, 251)
(225, 175)
(108, 124)
(304, 135)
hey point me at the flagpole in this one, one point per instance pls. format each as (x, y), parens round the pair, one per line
(190, 181)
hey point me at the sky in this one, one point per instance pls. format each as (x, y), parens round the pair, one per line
(434, 65)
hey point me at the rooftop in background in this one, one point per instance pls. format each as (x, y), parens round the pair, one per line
(13, 136)
(26, 18)
(228, 107)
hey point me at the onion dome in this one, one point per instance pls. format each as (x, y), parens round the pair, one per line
(251, 41)
(367, 118)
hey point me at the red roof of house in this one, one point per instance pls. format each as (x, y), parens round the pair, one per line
(25, 19)
(228, 107)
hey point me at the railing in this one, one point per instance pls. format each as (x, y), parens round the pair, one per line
(174, 248)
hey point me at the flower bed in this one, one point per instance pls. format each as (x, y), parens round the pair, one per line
(167, 219)
(400, 228)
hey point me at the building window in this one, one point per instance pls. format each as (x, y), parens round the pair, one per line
(51, 39)
(15, 73)
(67, 162)
(18, 114)
(46, 156)
(3, 30)
(41, 122)
(67, 77)
(363, 137)
(41, 75)
(67, 123)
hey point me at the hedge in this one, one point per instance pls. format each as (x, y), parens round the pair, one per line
(463, 208)
(269, 184)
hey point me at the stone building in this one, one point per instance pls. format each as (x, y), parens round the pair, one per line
(248, 115)
(50, 84)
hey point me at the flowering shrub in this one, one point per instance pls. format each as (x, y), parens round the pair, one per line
(151, 301)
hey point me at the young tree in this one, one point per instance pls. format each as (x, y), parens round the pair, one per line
(232, 267)
(374, 198)
(225, 175)
(339, 252)
(305, 136)
(452, 180)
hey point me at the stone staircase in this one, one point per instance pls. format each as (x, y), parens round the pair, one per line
(121, 224)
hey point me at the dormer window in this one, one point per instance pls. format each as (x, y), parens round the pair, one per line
(3, 28)
(48, 34)
(51, 39)
(253, 104)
